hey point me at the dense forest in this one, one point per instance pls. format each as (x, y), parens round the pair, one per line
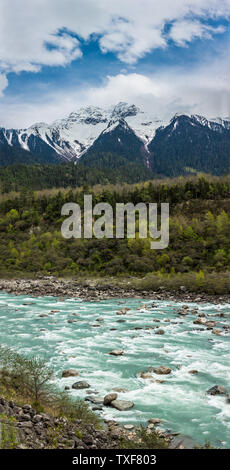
(31, 240)
(109, 169)
(185, 144)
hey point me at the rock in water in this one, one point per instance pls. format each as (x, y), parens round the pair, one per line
(70, 373)
(217, 390)
(154, 421)
(146, 375)
(162, 370)
(122, 405)
(109, 398)
(216, 332)
(80, 385)
(117, 352)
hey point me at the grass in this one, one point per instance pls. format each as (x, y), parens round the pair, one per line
(144, 440)
(217, 283)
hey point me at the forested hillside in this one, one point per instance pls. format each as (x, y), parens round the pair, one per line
(109, 169)
(31, 240)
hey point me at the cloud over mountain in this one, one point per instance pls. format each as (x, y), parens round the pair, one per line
(33, 34)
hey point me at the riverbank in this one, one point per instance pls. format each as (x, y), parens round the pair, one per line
(102, 289)
(22, 427)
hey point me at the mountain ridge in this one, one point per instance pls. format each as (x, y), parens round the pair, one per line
(125, 130)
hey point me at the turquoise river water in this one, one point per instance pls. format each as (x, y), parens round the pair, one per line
(180, 402)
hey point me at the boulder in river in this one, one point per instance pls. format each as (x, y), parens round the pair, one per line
(109, 398)
(146, 375)
(80, 385)
(123, 311)
(200, 321)
(116, 352)
(162, 370)
(154, 421)
(216, 332)
(217, 390)
(160, 332)
(210, 324)
(69, 373)
(122, 405)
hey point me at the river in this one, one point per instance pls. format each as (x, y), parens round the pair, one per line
(180, 401)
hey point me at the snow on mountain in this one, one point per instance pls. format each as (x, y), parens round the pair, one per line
(71, 137)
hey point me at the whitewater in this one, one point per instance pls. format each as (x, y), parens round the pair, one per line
(75, 334)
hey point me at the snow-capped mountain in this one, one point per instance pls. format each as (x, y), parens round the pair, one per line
(125, 130)
(191, 143)
(74, 135)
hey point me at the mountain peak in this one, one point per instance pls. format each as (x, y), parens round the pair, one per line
(124, 110)
(71, 137)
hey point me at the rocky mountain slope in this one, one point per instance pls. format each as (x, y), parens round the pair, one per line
(184, 144)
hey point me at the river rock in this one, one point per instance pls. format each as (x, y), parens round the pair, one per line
(146, 375)
(200, 321)
(98, 400)
(160, 332)
(122, 405)
(123, 311)
(154, 421)
(193, 371)
(216, 332)
(116, 352)
(109, 398)
(69, 373)
(162, 370)
(80, 385)
(217, 390)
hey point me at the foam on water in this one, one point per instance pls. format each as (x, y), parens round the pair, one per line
(180, 401)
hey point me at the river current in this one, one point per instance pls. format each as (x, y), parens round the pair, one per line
(180, 401)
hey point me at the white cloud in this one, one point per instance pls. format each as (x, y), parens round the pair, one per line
(185, 31)
(129, 28)
(41, 32)
(3, 83)
(203, 90)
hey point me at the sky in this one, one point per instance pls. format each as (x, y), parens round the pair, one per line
(166, 56)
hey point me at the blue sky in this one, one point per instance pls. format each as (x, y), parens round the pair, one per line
(57, 56)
